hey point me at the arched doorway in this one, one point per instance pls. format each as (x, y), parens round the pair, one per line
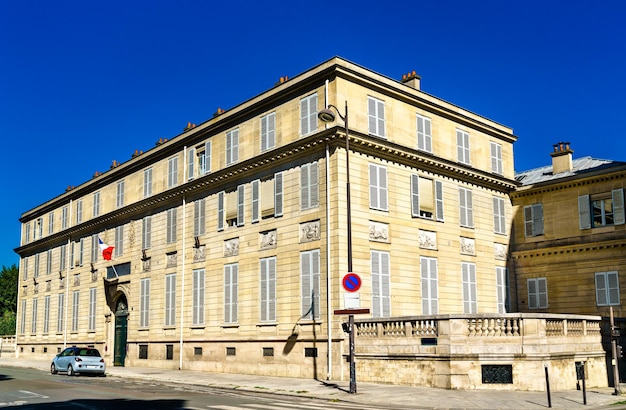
(121, 331)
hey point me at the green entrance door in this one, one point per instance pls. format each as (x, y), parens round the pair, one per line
(121, 331)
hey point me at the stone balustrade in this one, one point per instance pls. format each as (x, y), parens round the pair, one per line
(460, 351)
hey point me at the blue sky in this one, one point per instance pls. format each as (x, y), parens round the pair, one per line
(83, 83)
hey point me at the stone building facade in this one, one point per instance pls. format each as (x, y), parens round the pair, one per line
(231, 242)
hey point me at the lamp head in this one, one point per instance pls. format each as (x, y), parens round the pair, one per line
(326, 115)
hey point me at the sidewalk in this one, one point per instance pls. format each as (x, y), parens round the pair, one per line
(367, 393)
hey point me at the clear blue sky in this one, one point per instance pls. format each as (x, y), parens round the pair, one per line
(83, 83)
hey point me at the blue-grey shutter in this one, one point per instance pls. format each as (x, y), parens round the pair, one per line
(376, 285)
(613, 288)
(305, 187)
(373, 187)
(528, 221)
(415, 198)
(278, 194)
(532, 293)
(584, 216)
(314, 185)
(371, 110)
(240, 205)
(385, 285)
(439, 200)
(207, 157)
(538, 219)
(220, 211)
(191, 154)
(382, 180)
(618, 206)
(306, 285)
(380, 118)
(542, 289)
(427, 136)
(255, 200)
(601, 289)
(304, 117)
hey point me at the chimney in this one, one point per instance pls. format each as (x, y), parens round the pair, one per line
(561, 158)
(412, 80)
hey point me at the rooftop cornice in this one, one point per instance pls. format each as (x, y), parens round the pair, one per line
(573, 181)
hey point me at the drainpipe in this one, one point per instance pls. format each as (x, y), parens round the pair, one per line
(329, 365)
(182, 298)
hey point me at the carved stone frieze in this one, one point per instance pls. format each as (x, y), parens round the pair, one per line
(172, 260)
(268, 240)
(199, 253)
(231, 247)
(427, 239)
(379, 231)
(310, 231)
(499, 250)
(468, 246)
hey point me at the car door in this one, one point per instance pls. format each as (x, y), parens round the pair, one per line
(64, 359)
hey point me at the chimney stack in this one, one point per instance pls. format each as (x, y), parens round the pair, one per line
(412, 80)
(561, 158)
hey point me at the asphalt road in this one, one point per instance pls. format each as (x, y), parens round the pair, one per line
(35, 389)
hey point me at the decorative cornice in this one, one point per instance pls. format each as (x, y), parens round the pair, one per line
(565, 250)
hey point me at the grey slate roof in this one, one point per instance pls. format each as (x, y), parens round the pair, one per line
(579, 166)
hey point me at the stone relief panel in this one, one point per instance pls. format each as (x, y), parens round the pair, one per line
(310, 231)
(147, 264)
(172, 260)
(199, 253)
(427, 239)
(379, 231)
(268, 240)
(499, 250)
(231, 247)
(468, 246)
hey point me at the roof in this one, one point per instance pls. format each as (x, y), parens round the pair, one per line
(580, 166)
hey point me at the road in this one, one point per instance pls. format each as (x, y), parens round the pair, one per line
(35, 389)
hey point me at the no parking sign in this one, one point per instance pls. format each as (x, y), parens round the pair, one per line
(351, 282)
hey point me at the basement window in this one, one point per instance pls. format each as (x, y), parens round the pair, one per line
(497, 373)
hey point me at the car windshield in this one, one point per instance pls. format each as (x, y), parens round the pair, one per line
(89, 352)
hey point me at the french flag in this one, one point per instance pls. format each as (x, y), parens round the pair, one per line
(107, 251)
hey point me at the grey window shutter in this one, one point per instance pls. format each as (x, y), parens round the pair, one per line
(528, 221)
(470, 209)
(304, 116)
(385, 285)
(271, 313)
(278, 194)
(463, 206)
(305, 186)
(439, 200)
(207, 157)
(427, 135)
(313, 113)
(618, 206)
(305, 279)
(264, 286)
(601, 289)
(240, 205)
(584, 216)
(382, 179)
(532, 293)
(314, 185)
(373, 187)
(538, 219)
(376, 288)
(371, 109)
(542, 288)
(256, 184)
(271, 130)
(220, 211)
(415, 199)
(381, 118)
(613, 288)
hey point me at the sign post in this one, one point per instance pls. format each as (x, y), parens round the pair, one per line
(351, 313)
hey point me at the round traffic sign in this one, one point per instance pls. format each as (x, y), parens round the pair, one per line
(351, 282)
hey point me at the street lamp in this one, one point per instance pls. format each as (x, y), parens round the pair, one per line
(327, 115)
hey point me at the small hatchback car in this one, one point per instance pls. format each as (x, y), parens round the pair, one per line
(75, 360)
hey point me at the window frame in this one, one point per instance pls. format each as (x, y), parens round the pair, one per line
(268, 131)
(499, 215)
(378, 190)
(466, 208)
(463, 147)
(170, 300)
(468, 278)
(144, 302)
(376, 117)
(308, 114)
(496, 157)
(231, 293)
(198, 292)
(309, 186)
(147, 182)
(232, 146)
(424, 133)
(380, 265)
(606, 290)
(267, 289)
(172, 172)
(536, 295)
(310, 281)
(429, 281)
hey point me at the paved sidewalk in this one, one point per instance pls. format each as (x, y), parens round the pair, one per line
(404, 397)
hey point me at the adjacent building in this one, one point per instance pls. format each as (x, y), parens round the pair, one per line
(231, 241)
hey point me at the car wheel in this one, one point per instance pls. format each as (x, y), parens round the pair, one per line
(70, 370)
(53, 369)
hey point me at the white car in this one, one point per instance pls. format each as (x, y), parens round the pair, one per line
(74, 360)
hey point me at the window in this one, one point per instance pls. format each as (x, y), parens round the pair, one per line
(170, 299)
(496, 158)
(119, 241)
(50, 223)
(381, 299)
(309, 190)
(147, 182)
(144, 302)
(36, 274)
(119, 199)
(230, 292)
(537, 293)
(378, 187)
(268, 289)
(23, 318)
(146, 232)
(46, 314)
(49, 262)
(308, 114)
(267, 197)
(143, 351)
(191, 159)
(169, 352)
(172, 172)
(171, 225)
(197, 306)
(95, 248)
(430, 301)
(426, 198)
(424, 137)
(75, 311)
(79, 211)
(199, 211)
(310, 284)
(256, 200)
(27, 233)
(376, 116)
(92, 309)
(499, 219)
(232, 147)
(25, 269)
(33, 324)
(96, 204)
(462, 147)
(607, 289)
(64, 217)
(533, 220)
(502, 289)
(204, 159)
(268, 131)
(465, 207)
(60, 312)
(468, 272)
(601, 209)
